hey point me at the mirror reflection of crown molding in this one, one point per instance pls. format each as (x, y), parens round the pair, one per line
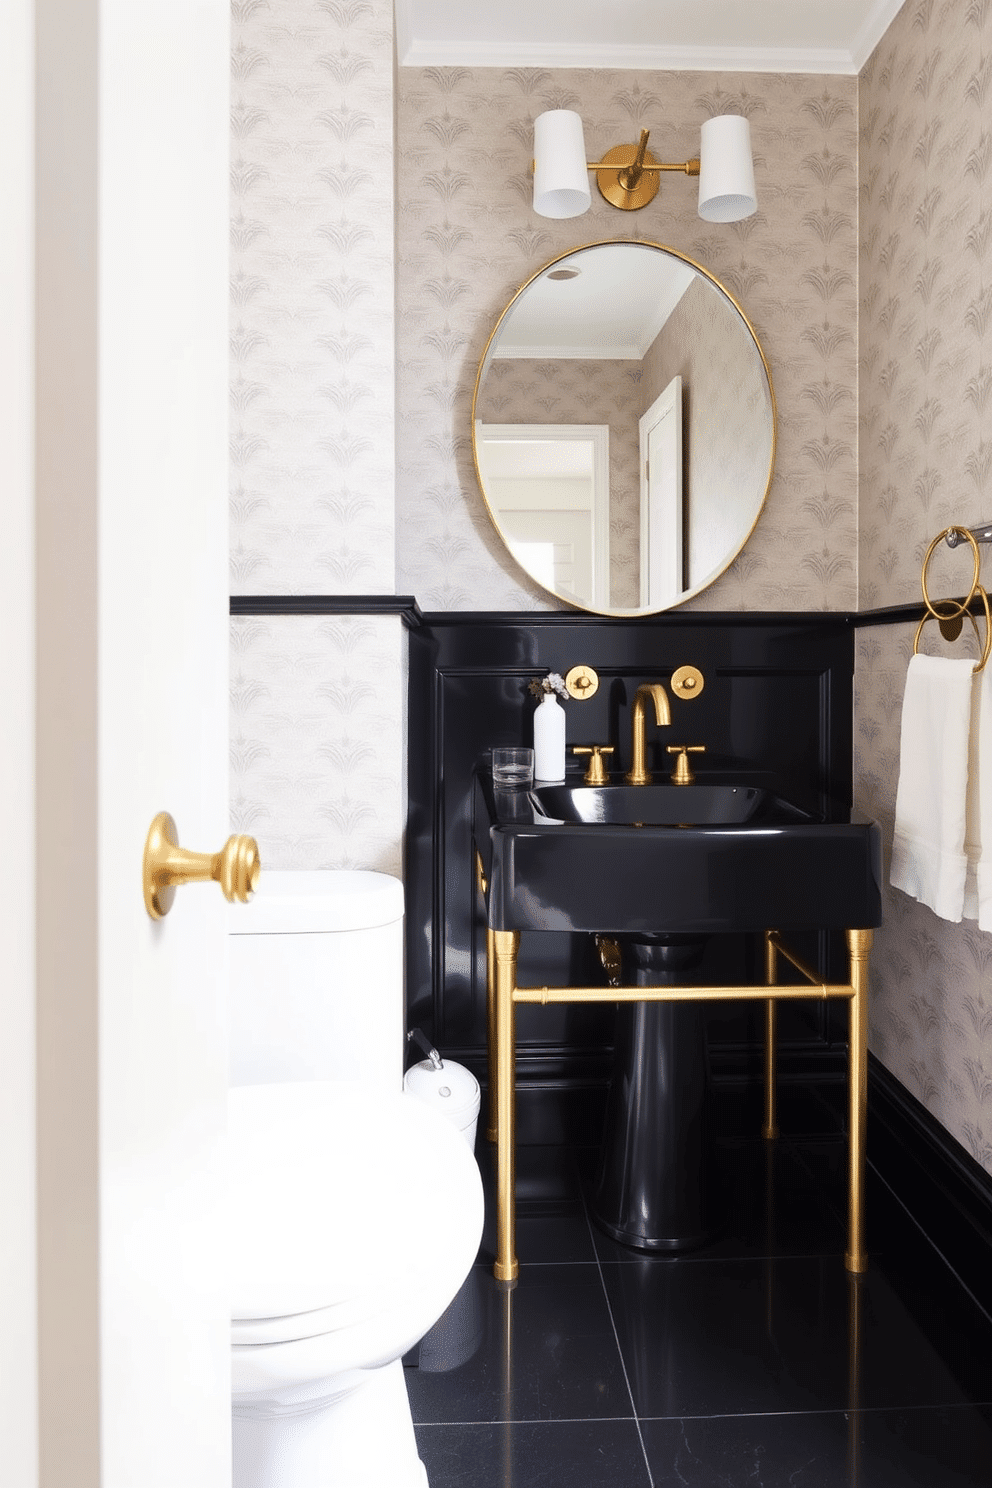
(655, 317)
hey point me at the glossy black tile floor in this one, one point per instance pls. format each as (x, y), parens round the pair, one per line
(755, 1363)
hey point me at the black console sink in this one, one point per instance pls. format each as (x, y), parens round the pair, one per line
(662, 867)
(727, 853)
(665, 805)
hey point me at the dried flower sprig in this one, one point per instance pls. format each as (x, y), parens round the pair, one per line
(539, 687)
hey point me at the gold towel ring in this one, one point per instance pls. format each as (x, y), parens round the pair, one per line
(946, 611)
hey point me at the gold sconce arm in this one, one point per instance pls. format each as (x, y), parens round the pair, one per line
(167, 866)
(642, 161)
(628, 176)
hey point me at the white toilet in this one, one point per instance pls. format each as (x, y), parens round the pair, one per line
(357, 1210)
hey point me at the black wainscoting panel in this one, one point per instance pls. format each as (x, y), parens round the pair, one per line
(777, 697)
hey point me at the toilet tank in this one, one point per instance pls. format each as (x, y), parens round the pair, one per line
(316, 982)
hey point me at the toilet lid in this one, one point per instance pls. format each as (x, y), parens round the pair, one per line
(291, 902)
(333, 1186)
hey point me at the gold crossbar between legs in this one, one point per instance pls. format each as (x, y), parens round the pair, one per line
(504, 995)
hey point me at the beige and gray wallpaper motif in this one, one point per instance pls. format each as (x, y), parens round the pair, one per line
(467, 238)
(926, 457)
(312, 297)
(317, 725)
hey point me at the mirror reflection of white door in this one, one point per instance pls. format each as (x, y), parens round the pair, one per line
(553, 544)
(129, 266)
(662, 572)
(549, 486)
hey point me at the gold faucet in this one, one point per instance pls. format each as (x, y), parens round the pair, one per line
(637, 774)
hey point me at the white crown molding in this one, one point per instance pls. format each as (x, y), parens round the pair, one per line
(876, 23)
(413, 53)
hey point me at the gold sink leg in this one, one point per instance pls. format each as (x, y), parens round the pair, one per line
(859, 945)
(770, 1128)
(505, 943)
(491, 1030)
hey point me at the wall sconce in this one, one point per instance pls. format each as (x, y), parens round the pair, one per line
(629, 175)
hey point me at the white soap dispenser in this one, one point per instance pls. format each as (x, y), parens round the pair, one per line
(549, 728)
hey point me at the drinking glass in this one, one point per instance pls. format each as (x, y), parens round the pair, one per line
(513, 769)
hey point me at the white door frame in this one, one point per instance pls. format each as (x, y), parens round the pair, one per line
(662, 573)
(596, 435)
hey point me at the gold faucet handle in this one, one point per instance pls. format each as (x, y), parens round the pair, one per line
(595, 770)
(682, 775)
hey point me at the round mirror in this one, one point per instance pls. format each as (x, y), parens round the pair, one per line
(623, 427)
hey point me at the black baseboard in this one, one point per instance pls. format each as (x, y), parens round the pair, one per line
(561, 1099)
(947, 1193)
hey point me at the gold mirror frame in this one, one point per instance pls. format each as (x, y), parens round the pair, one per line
(691, 263)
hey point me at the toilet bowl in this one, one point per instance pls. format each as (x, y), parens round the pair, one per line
(356, 1218)
(356, 1210)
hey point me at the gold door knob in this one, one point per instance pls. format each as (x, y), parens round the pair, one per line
(167, 865)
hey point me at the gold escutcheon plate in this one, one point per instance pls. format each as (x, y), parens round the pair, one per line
(687, 683)
(581, 683)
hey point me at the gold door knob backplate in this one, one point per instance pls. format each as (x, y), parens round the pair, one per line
(167, 865)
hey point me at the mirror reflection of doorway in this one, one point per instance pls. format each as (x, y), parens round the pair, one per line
(662, 562)
(548, 485)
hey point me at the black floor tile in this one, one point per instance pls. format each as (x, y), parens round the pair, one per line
(731, 1337)
(545, 1454)
(944, 1447)
(754, 1361)
(546, 1351)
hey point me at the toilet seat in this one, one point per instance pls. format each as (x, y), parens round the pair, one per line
(345, 1202)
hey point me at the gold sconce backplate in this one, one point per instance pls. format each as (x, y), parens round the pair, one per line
(687, 683)
(581, 683)
(611, 185)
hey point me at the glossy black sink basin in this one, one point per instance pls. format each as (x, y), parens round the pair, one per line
(663, 805)
(723, 854)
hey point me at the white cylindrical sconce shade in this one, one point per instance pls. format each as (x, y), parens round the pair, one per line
(561, 181)
(726, 170)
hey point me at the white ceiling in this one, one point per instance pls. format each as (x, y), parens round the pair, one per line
(701, 35)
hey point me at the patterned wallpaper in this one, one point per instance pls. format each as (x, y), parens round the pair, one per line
(925, 455)
(318, 729)
(312, 297)
(467, 238)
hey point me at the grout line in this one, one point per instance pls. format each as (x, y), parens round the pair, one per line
(535, 1421)
(613, 1325)
(828, 1410)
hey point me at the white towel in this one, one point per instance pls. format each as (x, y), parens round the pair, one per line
(978, 828)
(928, 853)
